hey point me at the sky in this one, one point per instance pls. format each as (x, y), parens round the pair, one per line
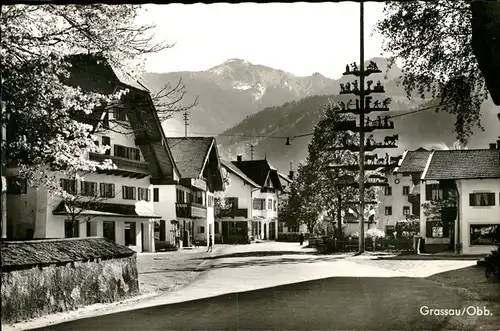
(300, 38)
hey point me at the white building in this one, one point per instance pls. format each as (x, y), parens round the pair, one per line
(265, 200)
(117, 203)
(464, 185)
(235, 225)
(398, 201)
(198, 177)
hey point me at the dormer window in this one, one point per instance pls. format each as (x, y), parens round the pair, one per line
(268, 182)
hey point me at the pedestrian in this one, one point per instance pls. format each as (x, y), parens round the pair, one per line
(209, 249)
(301, 238)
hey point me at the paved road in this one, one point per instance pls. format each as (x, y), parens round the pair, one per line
(281, 286)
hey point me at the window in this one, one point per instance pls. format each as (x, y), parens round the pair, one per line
(106, 141)
(406, 190)
(179, 196)
(130, 234)
(16, 185)
(406, 210)
(437, 229)
(69, 185)
(130, 153)
(210, 202)
(89, 189)
(268, 182)
(293, 228)
(120, 114)
(156, 194)
(143, 194)
(270, 204)
(388, 190)
(198, 197)
(107, 190)
(388, 211)
(71, 229)
(128, 192)
(108, 230)
(88, 228)
(216, 227)
(275, 206)
(201, 229)
(280, 227)
(483, 234)
(482, 199)
(433, 192)
(259, 204)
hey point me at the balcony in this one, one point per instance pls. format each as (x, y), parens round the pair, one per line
(235, 213)
(199, 184)
(190, 210)
(125, 167)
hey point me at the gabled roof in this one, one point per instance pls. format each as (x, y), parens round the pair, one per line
(234, 169)
(258, 171)
(414, 161)
(463, 164)
(285, 177)
(95, 73)
(190, 154)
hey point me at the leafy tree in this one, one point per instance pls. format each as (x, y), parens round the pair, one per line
(317, 183)
(433, 41)
(288, 210)
(35, 44)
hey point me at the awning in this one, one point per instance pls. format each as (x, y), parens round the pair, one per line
(103, 209)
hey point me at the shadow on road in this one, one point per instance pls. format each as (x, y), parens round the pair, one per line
(404, 257)
(258, 253)
(341, 303)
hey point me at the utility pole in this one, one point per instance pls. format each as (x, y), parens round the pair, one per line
(251, 151)
(186, 123)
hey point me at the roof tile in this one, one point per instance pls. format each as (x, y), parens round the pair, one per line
(189, 154)
(414, 161)
(238, 172)
(464, 164)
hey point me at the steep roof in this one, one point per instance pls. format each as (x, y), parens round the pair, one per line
(414, 161)
(464, 164)
(258, 171)
(190, 154)
(93, 72)
(234, 169)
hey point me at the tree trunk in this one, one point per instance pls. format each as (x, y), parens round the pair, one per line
(4, 208)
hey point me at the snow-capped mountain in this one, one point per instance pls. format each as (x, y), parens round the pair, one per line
(229, 92)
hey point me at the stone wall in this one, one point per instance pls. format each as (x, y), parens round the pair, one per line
(30, 291)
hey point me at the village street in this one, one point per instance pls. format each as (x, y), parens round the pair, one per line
(283, 286)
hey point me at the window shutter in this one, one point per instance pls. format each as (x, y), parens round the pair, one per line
(147, 195)
(491, 199)
(134, 193)
(428, 229)
(156, 194)
(446, 229)
(124, 189)
(235, 205)
(116, 150)
(472, 199)
(112, 186)
(428, 192)
(102, 190)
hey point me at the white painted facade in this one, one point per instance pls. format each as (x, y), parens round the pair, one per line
(397, 201)
(268, 215)
(480, 215)
(33, 211)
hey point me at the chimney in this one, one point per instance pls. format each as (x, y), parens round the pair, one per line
(239, 158)
(290, 174)
(493, 146)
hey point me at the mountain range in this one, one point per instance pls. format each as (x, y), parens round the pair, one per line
(240, 98)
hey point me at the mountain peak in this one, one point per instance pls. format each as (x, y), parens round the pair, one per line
(237, 61)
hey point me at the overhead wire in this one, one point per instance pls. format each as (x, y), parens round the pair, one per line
(306, 134)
